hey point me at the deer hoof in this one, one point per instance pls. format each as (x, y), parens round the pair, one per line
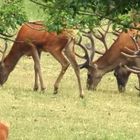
(35, 88)
(43, 88)
(81, 96)
(55, 90)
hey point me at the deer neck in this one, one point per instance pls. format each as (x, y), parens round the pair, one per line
(12, 58)
(110, 60)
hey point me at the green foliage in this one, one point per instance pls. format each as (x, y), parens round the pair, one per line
(11, 15)
(88, 13)
(70, 13)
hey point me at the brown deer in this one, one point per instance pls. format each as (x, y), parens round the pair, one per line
(111, 58)
(3, 131)
(122, 73)
(32, 39)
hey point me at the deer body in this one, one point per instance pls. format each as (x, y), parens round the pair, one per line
(32, 40)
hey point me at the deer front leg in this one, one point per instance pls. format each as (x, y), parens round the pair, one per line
(64, 63)
(71, 57)
(36, 80)
(37, 68)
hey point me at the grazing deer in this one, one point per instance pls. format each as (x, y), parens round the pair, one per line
(122, 73)
(3, 131)
(32, 39)
(111, 58)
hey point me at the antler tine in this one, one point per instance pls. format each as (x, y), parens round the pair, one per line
(1, 50)
(84, 49)
(101, 37)
(136, 44)
(137, 88)
(4, 52)
(130, 50)
(135, 53)
(116, 34)
(86, 56)
(107, 29)
(130, 55)
(134, 70)
(92, 46)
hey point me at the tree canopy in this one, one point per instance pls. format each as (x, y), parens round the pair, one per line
(11, 15)
(89, 13)
(80, 14)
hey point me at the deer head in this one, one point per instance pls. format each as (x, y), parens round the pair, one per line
(94, 75)
(89, 50)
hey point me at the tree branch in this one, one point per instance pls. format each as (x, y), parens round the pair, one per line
(111, 19)
(38, 3)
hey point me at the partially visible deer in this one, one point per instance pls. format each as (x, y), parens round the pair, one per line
(111, 58)
(32, 39)
(3, 131)
(122, 72)
(122, 76)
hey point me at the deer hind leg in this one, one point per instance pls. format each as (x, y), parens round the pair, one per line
(37, 67)
(64, 63)
(71, 57)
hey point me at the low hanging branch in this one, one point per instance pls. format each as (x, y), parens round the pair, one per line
(117, 21)
(38, 3)
(7, 35)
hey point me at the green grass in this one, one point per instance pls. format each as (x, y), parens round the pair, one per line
(104, 114)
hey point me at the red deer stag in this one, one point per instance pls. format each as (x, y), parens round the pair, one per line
(110, 59)
(31, 40)
(3, 131)
(122, 73)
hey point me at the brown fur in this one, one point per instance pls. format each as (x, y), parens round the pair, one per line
(112, 58)
(32, 40)
(3, 131)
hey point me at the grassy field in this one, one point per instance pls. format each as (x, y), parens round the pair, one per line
(104, 114)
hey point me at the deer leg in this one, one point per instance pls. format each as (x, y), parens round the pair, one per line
(36, 75)
(36, 80)
(64, 63)
(138, 75)
(71, 57)
(37, 68)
